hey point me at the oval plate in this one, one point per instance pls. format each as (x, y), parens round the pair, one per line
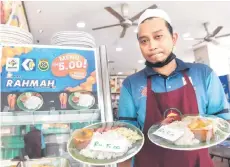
(21, 105)
(78, 107)
(221, 134)
(136, 147)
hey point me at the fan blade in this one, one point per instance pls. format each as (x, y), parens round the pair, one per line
(123, 32)
(134, 24)
(192, 39)
(198, 38)
(216, 31)
(206, 28)
(215, 42)
(114, 13)
(139, 14)
(220, 36)
(198, 43)
(106, 26)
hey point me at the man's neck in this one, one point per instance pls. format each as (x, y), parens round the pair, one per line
(168, 69)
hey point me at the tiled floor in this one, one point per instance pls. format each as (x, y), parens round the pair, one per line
(218, 163)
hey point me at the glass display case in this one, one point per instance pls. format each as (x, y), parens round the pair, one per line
(49, 92)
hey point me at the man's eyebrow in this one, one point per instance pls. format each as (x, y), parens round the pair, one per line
(141, 37)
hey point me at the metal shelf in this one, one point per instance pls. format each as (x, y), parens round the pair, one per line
(28, 118)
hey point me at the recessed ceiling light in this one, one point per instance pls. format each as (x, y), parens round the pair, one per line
(136, 30)
(186, 35)
(39, 11)
(40, 31)
(141, 61)
(81, 24)
(118, 49)
(120, 73)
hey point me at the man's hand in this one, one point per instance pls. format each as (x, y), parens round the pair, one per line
(127, 163)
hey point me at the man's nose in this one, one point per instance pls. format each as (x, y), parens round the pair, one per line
(152, 44)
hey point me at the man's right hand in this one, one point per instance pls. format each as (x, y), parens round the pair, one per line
(127, 163)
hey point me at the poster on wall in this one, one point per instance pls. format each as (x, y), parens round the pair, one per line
(13, 13)
(44, 78)
(116, 83)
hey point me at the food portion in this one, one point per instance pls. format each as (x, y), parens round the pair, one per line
(196, 130)
(63, 100)
(11, 98)
(82, 138)
(55, 125)
(105, 142)
(81, 99)
(31, 100)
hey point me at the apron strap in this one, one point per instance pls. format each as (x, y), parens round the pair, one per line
(187, 79)
(149, 87)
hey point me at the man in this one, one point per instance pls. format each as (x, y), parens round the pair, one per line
(167, 86)
(33, 145)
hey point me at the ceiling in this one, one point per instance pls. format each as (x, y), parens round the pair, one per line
(187, 17)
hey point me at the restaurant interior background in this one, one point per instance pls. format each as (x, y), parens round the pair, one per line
(45, 19)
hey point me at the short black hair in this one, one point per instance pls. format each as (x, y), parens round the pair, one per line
(166, 23)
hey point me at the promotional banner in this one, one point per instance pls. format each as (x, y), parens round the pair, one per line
(42, 78)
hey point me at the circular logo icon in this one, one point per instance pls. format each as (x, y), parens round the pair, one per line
(172, 112)
(43, 65)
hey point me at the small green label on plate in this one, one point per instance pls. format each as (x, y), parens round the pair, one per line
(169, 133)
(107, 146)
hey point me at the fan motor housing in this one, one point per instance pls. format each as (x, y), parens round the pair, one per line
(127, 23)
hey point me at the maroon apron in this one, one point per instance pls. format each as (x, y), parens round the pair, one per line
(151, 155)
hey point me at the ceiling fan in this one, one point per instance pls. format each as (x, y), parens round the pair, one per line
(125, 21)
(210, 37)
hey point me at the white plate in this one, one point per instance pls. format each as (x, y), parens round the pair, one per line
(72, 33)
(16, 34)
(4, 27)
(222, 133)
(75, 43)
(136, 147)
(10, 36)
(15, 40)
(83, 39)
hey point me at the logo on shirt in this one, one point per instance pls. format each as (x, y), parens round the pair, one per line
(143, 91)
(172, 112)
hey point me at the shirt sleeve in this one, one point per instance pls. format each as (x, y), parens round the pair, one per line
(217, 100)
(126, 109)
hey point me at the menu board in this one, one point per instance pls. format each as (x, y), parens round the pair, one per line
(44, 78)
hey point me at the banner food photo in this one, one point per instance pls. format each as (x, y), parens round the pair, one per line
(42, 78)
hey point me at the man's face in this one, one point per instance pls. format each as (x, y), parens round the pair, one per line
(155, 40)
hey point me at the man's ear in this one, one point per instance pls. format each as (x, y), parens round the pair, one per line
(175, 37)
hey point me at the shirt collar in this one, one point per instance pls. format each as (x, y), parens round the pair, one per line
(181, 66)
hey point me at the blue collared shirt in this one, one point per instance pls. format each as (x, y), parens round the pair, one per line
(210, 95)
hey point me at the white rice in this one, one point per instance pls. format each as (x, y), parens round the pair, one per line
(188, 137)
(111, 136)
(85, 100)
(32, 102)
